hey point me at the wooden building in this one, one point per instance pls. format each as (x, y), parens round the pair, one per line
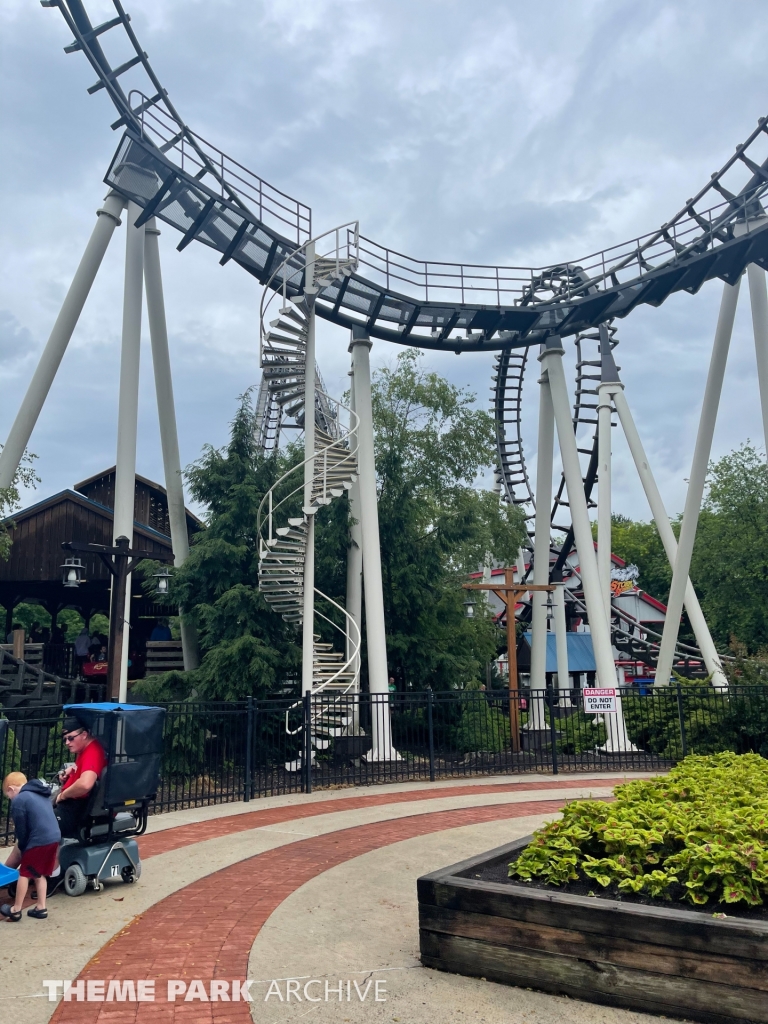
(33, 572)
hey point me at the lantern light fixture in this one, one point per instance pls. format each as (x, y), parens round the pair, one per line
(72, 572)
(162, 581)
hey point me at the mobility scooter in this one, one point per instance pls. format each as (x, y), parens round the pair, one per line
(106, 849)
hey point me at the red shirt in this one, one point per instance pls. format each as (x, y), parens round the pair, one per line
(92, 759)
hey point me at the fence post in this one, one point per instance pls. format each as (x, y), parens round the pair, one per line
(248, 748)
(552, 729)
(431, 734)
(681, 718)
(307, 742)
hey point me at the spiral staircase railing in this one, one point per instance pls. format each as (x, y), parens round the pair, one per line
(283, 515)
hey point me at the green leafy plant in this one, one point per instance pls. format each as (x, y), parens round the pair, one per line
(482, 727)
(699, 834)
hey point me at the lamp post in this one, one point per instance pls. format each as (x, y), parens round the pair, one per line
(509, 592)
(120, 560)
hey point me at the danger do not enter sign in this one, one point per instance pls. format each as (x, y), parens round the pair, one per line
(599, 702)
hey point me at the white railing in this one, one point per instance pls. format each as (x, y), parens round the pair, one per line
(292, 271)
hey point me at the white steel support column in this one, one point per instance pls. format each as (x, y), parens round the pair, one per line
(375, 635)
(758, 297)
(552, 358)
(695, 614)
(604, 409)
(697, 481)
(541, 547)
(128, 409)
(166, 410)
(310, 380)
(617, 741)
(561, 643)
(108, 218)
(354, 602)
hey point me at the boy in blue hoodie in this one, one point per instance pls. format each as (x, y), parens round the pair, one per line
(37, 841)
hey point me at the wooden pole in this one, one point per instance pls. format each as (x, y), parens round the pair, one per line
(514, 695)
(508, 592)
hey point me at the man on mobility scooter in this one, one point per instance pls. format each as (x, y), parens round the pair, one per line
(115, 812)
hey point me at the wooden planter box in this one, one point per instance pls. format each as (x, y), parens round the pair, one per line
(680, 963)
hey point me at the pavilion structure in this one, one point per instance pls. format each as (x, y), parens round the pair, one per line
(33, 572)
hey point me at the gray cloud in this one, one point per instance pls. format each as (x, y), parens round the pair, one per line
(503, 131)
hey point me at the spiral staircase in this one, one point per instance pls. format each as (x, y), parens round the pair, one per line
(283, 521)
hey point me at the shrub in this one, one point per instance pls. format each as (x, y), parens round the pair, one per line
(699, 833)
(482, 727)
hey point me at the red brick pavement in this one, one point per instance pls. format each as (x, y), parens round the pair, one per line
(207, 929)
(197, 832)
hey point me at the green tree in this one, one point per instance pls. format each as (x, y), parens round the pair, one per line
(639, 543)
(431, 443)
(246, 648)
(730, 559)
(729, 568)
(10, 500)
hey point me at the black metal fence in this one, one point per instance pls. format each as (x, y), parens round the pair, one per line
(217, 752)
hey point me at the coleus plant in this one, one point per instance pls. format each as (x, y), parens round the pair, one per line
(699, 834)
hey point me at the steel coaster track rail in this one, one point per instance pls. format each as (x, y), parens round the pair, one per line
(450, 306)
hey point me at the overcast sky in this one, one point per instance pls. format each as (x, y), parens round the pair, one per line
(486, 131)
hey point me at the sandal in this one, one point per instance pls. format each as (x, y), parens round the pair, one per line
(7, 911)
(36, 912)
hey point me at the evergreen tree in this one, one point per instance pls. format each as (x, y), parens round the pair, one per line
(246, 648)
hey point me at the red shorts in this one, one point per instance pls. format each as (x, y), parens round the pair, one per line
(39, 860)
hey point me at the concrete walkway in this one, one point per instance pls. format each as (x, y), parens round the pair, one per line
(298, 889)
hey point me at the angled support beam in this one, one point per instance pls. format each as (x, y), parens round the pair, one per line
(376, 309)
(669, 541)
(697, 481)
(197, 224)
(233, 246)
(156, 201)
(50, 360)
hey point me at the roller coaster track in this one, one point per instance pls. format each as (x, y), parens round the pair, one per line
(178, 176)
(182, 179)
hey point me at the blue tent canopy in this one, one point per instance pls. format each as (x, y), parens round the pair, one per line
(581, 657)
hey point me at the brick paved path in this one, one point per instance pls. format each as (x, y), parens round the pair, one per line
(184, 835)
(207, 929)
